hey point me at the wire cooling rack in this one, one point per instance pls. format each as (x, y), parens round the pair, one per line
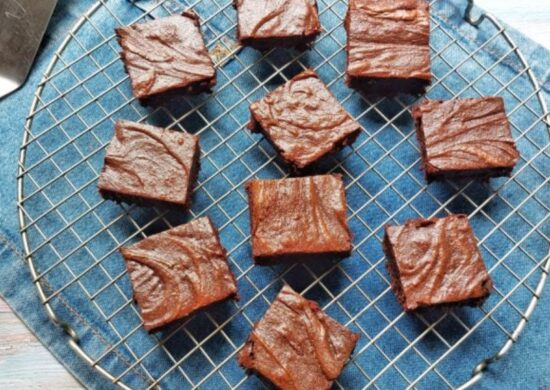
(71, 235)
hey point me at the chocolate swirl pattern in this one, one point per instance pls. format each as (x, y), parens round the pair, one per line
(296, 345)
(388, 38)
(298, 216)
(436, 261)
(303, 120)
(147, 162)
(165, 54)
(177, 272)
(470, 134)
(265, 19)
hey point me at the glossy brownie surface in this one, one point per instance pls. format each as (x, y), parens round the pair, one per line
(469, 137)
(166, 54)
(149, 165)
(298, 218)
(303, 120)
(388, 45)
(267, 23)
(436, 261)
(178, 271)
(297, 346)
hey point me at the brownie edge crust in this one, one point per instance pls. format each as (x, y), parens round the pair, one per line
(149, 165)
(179, 271)
(264, 24)
(388, 46)
(465, 138)
(166, 55)
(303, 120)
(296, 345)
(435, 262)
(298, 219)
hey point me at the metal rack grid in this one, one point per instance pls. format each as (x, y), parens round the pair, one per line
(71, 235)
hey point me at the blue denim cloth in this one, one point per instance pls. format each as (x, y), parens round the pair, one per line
(527, 365)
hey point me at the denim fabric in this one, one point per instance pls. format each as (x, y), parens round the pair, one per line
(526, 365)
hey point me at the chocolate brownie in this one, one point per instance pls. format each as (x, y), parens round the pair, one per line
(465, 138)
(297, 346)
(149, 165)
(285, 23)
(178, 271)
(303, 120)
(298, 219)
(166, 54)
(388, 46)
(435, 262)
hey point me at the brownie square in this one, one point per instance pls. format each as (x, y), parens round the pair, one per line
(149, 165)
(166, 54)
(436, 262)
(298, 219)
(465, 138)
(303, 120)
(178, 271)
(263, 24)
(297, 346)
(388, 46)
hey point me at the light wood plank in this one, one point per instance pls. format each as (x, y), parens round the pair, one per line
(531, 17)
(24, 362)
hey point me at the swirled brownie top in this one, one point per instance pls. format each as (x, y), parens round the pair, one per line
(389, 39)
(303, 120)
(436, 261)
(268, 23)
(149, 165)
(178, 271)
(468, 137)
(166, 54)
(298, 217)
(297, 346)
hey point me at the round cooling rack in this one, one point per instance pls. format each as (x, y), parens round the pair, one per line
(71, 236)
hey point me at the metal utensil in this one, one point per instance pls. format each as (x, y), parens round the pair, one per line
(22, 27)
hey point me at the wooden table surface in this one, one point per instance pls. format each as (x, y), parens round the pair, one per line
(26, 364)
(531, 17)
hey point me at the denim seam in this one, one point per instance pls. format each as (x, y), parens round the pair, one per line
(11, 246)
